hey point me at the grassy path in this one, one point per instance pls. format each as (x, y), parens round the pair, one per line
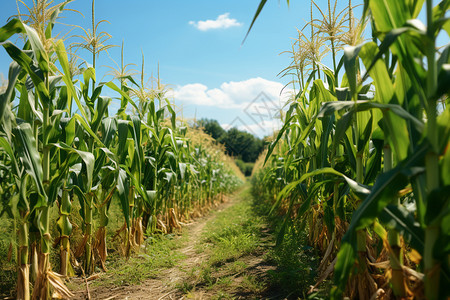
(219, 256)
(232, 245)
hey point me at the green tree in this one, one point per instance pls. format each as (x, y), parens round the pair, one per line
(212, 127)
(238, 143)
(242, 144)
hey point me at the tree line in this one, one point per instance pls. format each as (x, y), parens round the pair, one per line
(243, 146)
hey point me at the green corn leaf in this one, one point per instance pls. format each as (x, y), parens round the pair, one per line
(64, 225)
(258, 11)
(27, 151)
(123, 188)
(136, 135)
(100, 112)
(386, 188)
(59, 175)
(27, 63)
(359, 189)
(440, 10)
(442, 247)
(281, 233)
(87, 157)
(8, 149)
(279, 135)
(69, 130)
(327, 123)
(151, 195)
(344, 265)
(12, 27)
(114, 87)
(5, 96)
(389, 15)
(341, 127)
(443, 81)
(383, 84)
(443, 129)
(393, 15)
(23, 203)
(173, 115)
(38, 48)
(137, 186)
(182, 167)
(445, 163)
(66, 204)
(350, 61)
(26, 111)
(363, 105)
(88, 129)
(71, 92)
(444, 58)
(374, 164)
(364, 119)
(383, 48)
(350, 150)
(109, 129)
(438, 205)
(398, 218)
(122, 149)
(16, 26)
(310, 196)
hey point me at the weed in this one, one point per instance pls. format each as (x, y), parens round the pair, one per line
(236, 267)
(221, 295)
(295, 265)
(225, 281)
(252, 284)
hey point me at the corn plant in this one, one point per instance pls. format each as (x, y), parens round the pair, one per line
(39, 106)
(380, 137)
(59, 144)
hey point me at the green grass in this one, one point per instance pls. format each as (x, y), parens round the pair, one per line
(234, 232)
(159, 253)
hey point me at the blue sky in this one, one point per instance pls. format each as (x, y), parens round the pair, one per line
(198, 47)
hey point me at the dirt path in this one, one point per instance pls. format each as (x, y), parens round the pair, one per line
(167, 283)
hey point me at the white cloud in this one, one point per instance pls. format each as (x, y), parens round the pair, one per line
(252, 105)
(199, 94)
(231, 95)
(222, 22)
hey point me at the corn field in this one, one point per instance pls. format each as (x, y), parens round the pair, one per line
(61, 146)
(362, 162)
